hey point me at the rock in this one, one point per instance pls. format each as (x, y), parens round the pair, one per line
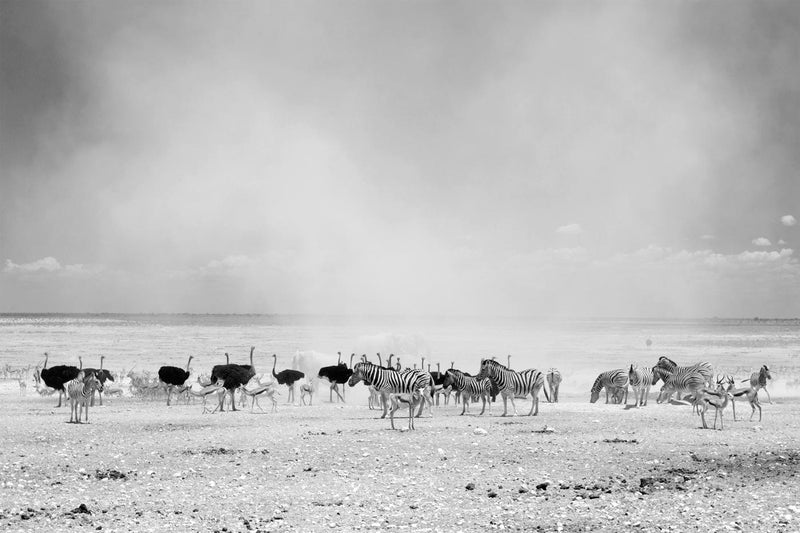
(470, 486)
(542, 486)
(81, 509)
(480, 431)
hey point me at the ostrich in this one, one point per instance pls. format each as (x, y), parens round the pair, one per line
(337, 374)
(233, 376)
(173, 377)
(286, 377)
(56, 376)
(101, 375)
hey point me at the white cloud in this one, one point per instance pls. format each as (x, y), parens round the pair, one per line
(570, 229)
(781, 242)
(788, 220)
(762, 241)
(708, 237)
(50, 265)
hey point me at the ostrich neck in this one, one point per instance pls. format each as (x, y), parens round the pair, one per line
(274, 362)
(188, 363)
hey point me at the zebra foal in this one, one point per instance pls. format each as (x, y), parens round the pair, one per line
(514, 384)
(554, 382)
(610, 380)
(469, 387)
(80, 391)
(640, 380)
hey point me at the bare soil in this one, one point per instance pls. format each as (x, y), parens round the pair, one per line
(143, 466)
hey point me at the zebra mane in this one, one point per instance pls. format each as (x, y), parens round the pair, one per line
(493, 363)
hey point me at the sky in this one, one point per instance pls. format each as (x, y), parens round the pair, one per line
(547, 159)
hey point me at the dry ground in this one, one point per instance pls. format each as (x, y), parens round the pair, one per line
(141, 466)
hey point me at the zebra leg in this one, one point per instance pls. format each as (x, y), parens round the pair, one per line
(465, 406)
(395, 406)
(483, 407)
(505, 405)
(534, 404)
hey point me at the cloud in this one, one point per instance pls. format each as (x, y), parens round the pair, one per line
(50, 266)
(781, 242)
(788, 220)
(570, 229)
(707, 237)
(762, 241)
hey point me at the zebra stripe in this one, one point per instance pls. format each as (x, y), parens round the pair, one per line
(554, 382)
(640, 380)
(664, 363)
(469, 387)
(610, 380)
(388, 382)
(80, 391)
(514, 384)
(684, 380)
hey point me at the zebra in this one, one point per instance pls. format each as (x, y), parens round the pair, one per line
(611, 379)
(704, 367)
(640, 380)
(389, 382)
(80, 391)
(514, 384)
(687, 380)
(554, 382)
(758, 380)
(469, 387)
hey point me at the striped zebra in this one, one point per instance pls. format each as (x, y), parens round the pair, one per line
(610, 380)
(704, 367)
(683, 380)
(390, 382)
(553, 382)
(80, 391)
(758, 380)
(514, 384)
(640, 380)
(469, 387)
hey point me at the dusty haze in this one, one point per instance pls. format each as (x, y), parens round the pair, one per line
(508, 158)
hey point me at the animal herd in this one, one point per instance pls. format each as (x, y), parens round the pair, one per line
(392, 386)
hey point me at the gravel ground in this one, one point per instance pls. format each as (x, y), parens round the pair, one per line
(142, 466)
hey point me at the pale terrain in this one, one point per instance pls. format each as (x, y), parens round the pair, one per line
(142, 466)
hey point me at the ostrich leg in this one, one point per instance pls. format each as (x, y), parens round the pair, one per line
(233, 400)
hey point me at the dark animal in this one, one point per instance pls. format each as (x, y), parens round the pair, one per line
(173, 377)
(100, 374)
(234, 377)
(56, 376)
(286, 377)
(337, 374)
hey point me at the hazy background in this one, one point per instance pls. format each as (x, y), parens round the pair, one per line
(401, 157)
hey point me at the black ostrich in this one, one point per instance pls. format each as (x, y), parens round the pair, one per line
(102, 376)
(173, 377)
(234, 377)
(337, 374)
(56, 376)
(286, 377)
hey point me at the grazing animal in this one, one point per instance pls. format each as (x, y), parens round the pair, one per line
(665, 363)
(55, 377)
(392, 384)
(469, 387)
(718, 403)
(610, 380)
(684, 380)
(307, 389)
(752, 397)
(514, 384)
(173, 376)
(554, 382)
(267, 390)
(640, 380)
(411, 399)
(233, 377)
(287, 377)
(80, 391)
(758, 380)
(208, 390)
(337, 374)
